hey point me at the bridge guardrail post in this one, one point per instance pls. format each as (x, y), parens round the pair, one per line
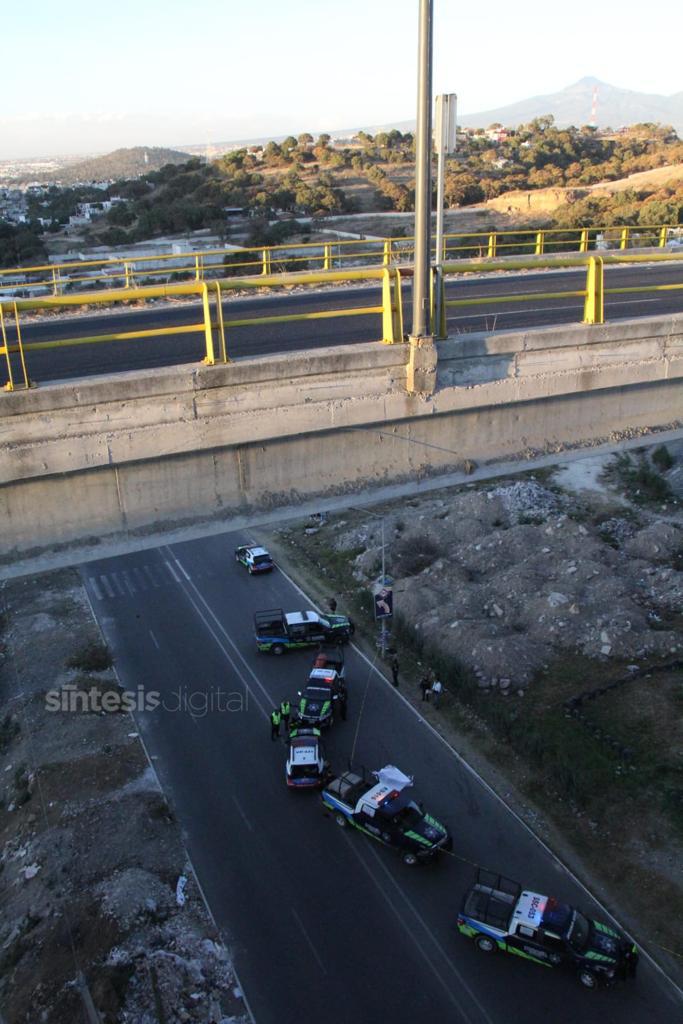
(492, 245)
(9, 384)
(663, 236)
(594, 307)
(442, 326)
(219, 321)
(209, 358)
(623, 243)
(327, 257)
(55, 281)
(540, 243)
(389, 307)
(129, 279)
(583, 244)
(265, 262)
(386, 254)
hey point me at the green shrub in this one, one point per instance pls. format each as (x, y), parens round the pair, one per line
(93, 657)
(662, 458)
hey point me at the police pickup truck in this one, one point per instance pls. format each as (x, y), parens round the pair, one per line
(277, 631)
(325, 693)
(499, 915)
(384, 810)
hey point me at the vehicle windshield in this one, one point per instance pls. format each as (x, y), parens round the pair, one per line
(325, 623)
(578, 932)
(318, 693)
(408, 817)
(304, 771)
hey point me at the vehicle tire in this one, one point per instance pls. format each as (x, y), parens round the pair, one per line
(555, 959)
(340, 819)
(410, 858)
(588, 979)
(277, 649)
(485, 944)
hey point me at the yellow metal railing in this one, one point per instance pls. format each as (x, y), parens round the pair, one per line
(21, 347)
(388, 308)
(214, 328)
(131, 271)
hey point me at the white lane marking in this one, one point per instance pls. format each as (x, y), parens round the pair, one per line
(307, 937)
(453, 997)
(96, 590)
(140, 579)
(151, 758)
(154, 640)
(428, 932)
(228, 638)
(118, 584)
(172, 571)
(131, 586)
(182, 569)
(107, 586)
(557, 861)
(242, 814)
(545, 309)
(152, 576)
(214, 634)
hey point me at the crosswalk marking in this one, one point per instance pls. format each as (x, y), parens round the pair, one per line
(120, 589)
(152, 576)
(130, 582)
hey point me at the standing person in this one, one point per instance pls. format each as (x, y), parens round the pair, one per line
(425, 687)
(437, 690)
(285, 711)
(274, 724)
(332, 605)
(394, 671)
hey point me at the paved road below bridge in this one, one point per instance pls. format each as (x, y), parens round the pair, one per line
(325, 924)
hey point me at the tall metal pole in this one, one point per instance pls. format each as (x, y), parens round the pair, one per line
(441, 110)
(445, 135)
(423, 175)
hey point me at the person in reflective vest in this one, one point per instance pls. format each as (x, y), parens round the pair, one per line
(285, 710)
(275, 718)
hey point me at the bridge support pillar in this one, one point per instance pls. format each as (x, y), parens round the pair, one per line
(422, 361)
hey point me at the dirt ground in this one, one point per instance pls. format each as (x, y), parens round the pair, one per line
(554, 599)
(94, 877)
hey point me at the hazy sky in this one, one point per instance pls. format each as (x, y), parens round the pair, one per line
(78, 78)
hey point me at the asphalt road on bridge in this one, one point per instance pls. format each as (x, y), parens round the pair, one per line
(111, 357)
(325, 924)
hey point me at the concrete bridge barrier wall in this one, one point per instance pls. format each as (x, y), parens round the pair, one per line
(107, 456)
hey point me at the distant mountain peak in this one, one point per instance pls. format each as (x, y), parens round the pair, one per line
(574, 106)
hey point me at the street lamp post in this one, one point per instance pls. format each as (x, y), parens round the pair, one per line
(423, 175)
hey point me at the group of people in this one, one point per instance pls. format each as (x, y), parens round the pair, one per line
(280, 716)
(431, 687)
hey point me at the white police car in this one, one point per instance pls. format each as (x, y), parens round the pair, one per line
(254, 559)
(306, 766)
